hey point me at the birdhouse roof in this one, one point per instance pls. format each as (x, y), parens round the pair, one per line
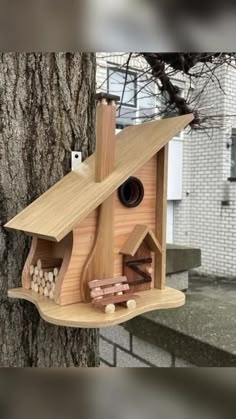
(55, 213)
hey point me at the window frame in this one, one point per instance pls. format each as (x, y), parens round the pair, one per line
(114, 69)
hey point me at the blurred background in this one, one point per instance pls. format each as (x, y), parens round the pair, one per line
(105, 25)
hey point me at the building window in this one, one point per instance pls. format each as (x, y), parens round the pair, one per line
(123, 84)
(233, 154)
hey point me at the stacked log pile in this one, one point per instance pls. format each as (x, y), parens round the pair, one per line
(44, 276)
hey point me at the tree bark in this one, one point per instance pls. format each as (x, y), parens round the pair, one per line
(47, 109)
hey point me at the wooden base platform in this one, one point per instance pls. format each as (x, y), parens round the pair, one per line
(88, 316)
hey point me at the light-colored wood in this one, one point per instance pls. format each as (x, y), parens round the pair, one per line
(85, 315)
(101, 262)
(110, 309)
(114, 299)
(51, 295)
(55, 271)
(36, 271)
(103, 282)
(109, 290)
(161, 208)
(139, 234)
(31, 270)
(54, 214)
(131, 304)
(39, 249)
(105, 141)
(125, 219)
(46, 292)
(39, 264)
(50, 276)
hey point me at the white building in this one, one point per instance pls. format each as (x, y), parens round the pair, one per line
(202, 165)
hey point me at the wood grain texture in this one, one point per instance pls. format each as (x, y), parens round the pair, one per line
(100, 283)
(101, 262)
(105, 141)
(86, 316)
(85, 236)
(139, 234)
(125, 219)
(161, 208)
(71, 200)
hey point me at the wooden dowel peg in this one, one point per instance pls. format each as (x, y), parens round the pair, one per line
(36, 271)
(41, 273)
(35, 278)
(45, 292)
(46, 276)
(41, 290)
(48, 286)
(31, 270)
(131, 304)
(110, 309)
(53, 286)
(50, 276)
(38, 280)
(36, 288)
(39, 264)
(51, 295)
(55, 271)
(43, 282)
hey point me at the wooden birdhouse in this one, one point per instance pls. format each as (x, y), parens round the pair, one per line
(98, 253)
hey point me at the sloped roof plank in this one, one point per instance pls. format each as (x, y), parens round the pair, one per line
(55, 213)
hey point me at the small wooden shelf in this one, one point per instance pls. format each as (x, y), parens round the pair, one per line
(87, 316)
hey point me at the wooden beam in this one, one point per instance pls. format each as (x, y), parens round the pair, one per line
(105, 140)
(161, 208)
(101, 262)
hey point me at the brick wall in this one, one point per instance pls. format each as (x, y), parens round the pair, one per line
(200, 219)
(118, 348)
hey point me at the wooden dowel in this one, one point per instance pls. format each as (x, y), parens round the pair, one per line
(41, 273)
(41, 290)
(36, 288)
(50, 276)
(51, 295)
(36, 271)
(46, 292)
(55, 271)
(39, 264)
(31, 270)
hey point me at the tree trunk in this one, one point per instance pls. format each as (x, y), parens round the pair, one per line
(47, 109)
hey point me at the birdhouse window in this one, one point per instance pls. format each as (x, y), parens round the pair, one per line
(131, 192)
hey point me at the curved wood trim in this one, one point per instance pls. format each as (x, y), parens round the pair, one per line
(25, 273)
(68, 243)
(87, 273)
(85, 315)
